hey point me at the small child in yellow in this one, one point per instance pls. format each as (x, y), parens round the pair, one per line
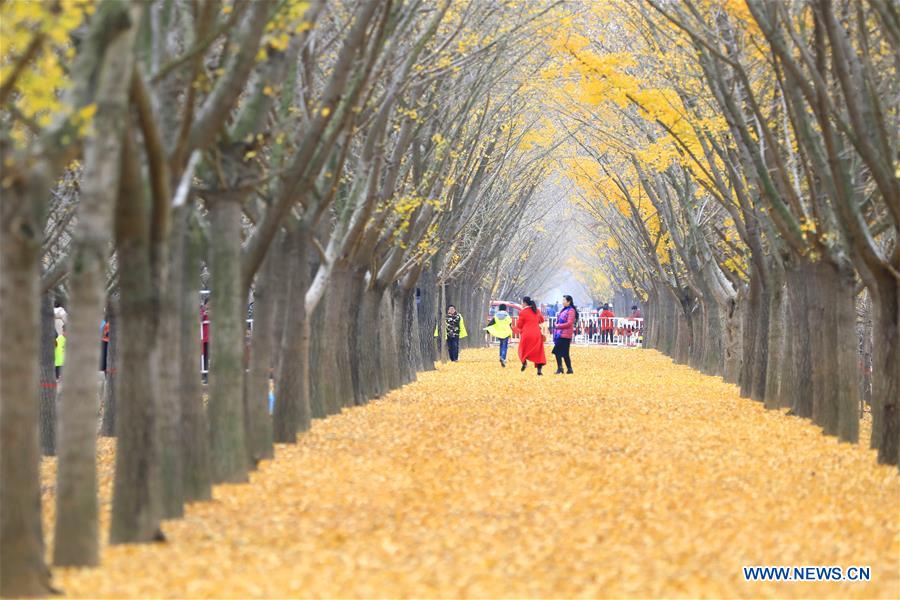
(60, 352)
(501, 328)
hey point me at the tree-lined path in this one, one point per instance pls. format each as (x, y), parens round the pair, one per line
(635, 477)
(226, 223)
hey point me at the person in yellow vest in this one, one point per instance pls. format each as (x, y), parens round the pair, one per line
(60, 352)
(455, 331)
(501, 328)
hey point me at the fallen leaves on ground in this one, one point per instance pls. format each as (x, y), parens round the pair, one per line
(634, 477)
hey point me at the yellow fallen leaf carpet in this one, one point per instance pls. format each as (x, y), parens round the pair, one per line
(635, 477)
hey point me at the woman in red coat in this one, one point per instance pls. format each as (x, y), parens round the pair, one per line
(531, 342)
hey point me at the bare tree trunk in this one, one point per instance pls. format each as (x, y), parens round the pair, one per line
(48, 376)
(333, 379)
(426, 310)
(256, 400)
(833, 351)
(775, 343)
(170, 339)
(732, 341)
(22, 568)
(137, 508)
(77, 539)
(292, 389)
(318, 357)
(368, 351)
(407, 333)
(194, 442)
(226, 378)
(389, 347)
(801, 393)
(886, 371)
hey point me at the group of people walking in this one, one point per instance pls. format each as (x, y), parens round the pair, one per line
(531, 334)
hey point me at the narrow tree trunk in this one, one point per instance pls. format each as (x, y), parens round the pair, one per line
(194, 443)
(108, 423)
(752, 329)
(409, 343)
(256, 400)
(319, 363)
(48, 376)
(226, 377)
(775, 343)
(22, 568)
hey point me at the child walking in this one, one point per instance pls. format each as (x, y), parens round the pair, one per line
(501, 328)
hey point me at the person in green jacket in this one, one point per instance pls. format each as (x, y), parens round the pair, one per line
(501, 328)
(60, 352)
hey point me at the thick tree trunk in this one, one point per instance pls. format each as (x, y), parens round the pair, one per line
(194, 441)
(48, 376)
(407, 332)
(886, 371)
(334, 383)
(426, 310)
(170, 340)
(22, 568)
(136, 509)
(292, 390)
(389, 346)
(77, 540)
(226, 377)
(833, 351)
(801, 392)
(369, 359)
(669, 333)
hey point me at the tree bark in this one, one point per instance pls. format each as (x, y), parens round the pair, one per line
(137, 507)
(170, 420)
(22, 568)
(48, 376)
(194, 441)
(801, 392)
(76, 539)
(886, 371)
(256, 399)
(292, 390)
(226, 377)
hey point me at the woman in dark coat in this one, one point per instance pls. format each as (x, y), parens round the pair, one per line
(531, 342)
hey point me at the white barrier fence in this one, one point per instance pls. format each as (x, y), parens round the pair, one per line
(613, 331)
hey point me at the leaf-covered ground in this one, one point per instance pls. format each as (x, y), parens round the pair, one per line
(635, 477)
